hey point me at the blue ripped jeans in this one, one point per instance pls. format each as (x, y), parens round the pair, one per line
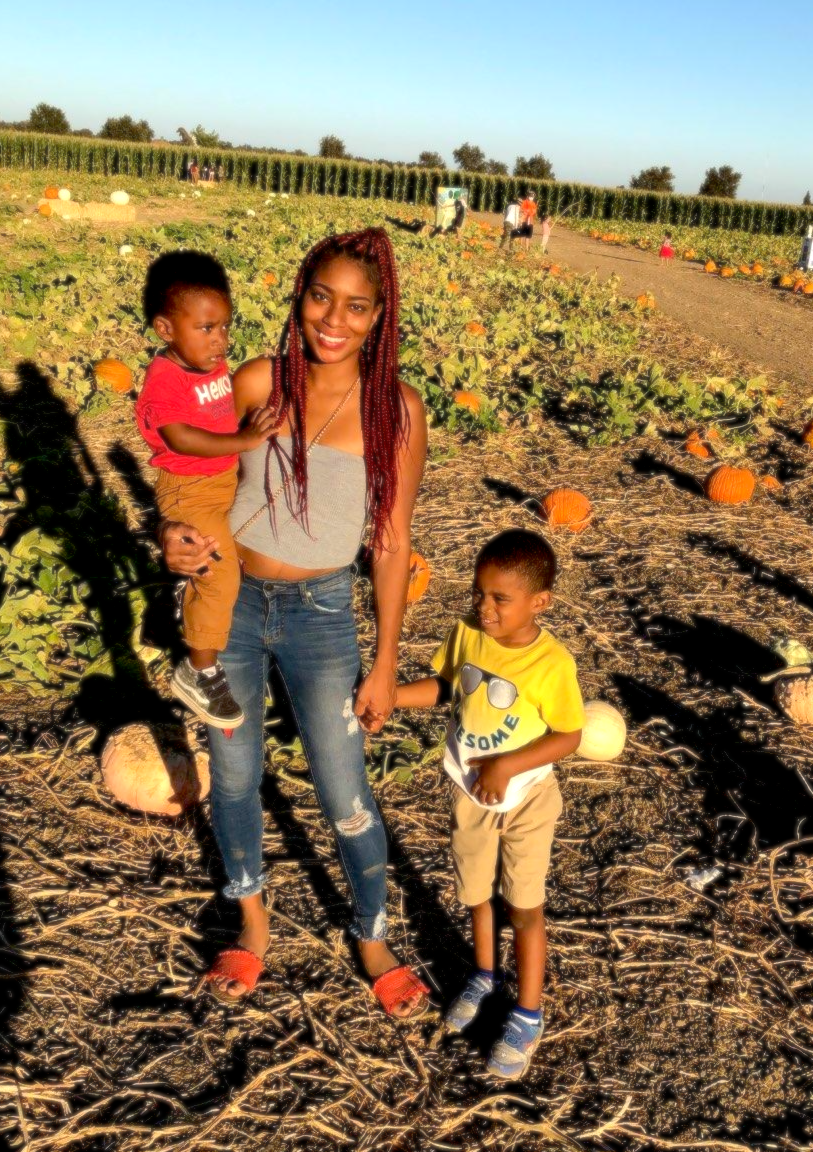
(307, 629)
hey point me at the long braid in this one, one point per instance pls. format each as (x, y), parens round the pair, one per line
(385, 421)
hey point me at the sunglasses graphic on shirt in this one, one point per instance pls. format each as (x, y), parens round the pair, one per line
(500, 693)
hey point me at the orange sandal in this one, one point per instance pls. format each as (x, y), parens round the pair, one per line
(234, 964)
(401, 986)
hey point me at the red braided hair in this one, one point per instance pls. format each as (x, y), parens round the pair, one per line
(384, 416)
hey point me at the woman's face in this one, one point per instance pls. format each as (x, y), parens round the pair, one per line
(338, 310)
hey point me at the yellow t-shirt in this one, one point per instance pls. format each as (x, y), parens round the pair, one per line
(503, 698)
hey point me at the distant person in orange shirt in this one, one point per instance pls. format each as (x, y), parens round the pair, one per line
(527, 211)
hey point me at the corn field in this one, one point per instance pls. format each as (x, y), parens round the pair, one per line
(325, 177)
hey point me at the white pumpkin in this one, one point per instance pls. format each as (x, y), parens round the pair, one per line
(604, 734)
(125, 250)
(64, 193)
(151, 769)
(119, 198)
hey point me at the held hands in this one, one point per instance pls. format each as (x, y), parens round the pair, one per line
(375, 698)
(492, 779)
(258, 426)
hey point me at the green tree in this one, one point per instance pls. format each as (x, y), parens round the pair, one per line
(496, 168)
(537, 168)
(207, 139)
(722, 181)
(126, 128)
(470, 158)
(332, 147)
(431, 160)
(47, 118)
(807, 201)
(654, 179)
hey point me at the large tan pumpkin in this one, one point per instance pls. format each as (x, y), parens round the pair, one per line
(794, 695)
(604, 734)
(151, 769)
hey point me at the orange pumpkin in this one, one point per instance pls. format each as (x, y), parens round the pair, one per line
(696, 447)
(269, 279)
(646, 301)
(419, 577)
(726, 271)
(453, 287)
(113, 374)
(786, 281)
(51, 192)
(709, 266)
(757, 269)
(467, 400)
(45, 210)
(808, 288)
(475, 329)
(727, 485)
(807, 434)
(467, 255)
(771, 483)
(568, 508)
(554, 269)
(744, 270)
(690, 254)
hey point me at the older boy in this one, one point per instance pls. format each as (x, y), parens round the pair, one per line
(516, 707)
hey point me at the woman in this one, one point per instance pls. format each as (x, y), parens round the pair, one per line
(348, 450)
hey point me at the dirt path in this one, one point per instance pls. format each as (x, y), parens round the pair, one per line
(770, 330)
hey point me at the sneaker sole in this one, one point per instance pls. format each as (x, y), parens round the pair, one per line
(180, 693)
(492, 1070)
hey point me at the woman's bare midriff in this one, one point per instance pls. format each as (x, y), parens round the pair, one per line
(266, 568)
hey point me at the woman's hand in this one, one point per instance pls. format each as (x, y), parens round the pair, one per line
(375, 698)
(187, 551)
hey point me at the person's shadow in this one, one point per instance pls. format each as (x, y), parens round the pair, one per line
(65, 497)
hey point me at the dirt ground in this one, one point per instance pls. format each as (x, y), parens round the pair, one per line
(768, 329)
(678, 1008)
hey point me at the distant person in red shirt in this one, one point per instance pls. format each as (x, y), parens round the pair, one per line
(667, 252)
(186, 415)
(527, 211)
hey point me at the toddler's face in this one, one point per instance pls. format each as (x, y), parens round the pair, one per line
(197, 330)
(505, 606)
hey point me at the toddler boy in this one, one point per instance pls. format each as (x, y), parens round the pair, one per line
(186, 415)
(516, 707)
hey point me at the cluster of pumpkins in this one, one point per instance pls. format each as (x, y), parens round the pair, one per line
(52, 192)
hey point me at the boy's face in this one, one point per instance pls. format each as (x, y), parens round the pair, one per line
(505, 606)
(196, 331)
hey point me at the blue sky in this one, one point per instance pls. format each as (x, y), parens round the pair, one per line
(602, 89)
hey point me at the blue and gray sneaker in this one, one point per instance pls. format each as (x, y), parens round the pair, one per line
(463, 1010)
(512, 1053)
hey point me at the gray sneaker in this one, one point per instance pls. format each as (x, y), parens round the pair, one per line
(512, 1053)
(463, 1010)
(209, 697)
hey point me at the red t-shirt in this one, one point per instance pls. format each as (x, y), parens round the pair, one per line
(176, 395)
(528, 210)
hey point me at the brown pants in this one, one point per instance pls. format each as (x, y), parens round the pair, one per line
(204, 502)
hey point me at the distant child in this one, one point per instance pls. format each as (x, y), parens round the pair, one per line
(510, 223)
(516, 708)
(527, 211)
(186, 415)
(545, 231)
(667, 252)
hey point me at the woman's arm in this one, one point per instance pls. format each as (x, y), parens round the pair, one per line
(390, 572)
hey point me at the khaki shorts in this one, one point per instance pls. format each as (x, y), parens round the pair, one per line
(512, 846)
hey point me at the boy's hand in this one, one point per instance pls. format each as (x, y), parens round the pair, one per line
(493, 775)
(258, 426)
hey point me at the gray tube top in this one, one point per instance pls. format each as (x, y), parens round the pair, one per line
(337, 506)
